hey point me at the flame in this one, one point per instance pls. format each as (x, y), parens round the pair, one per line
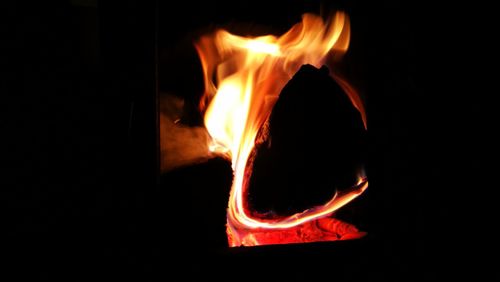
(243, 78)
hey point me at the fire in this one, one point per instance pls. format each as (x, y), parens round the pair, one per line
(243, 78)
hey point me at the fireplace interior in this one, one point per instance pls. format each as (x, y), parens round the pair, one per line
(96, 196)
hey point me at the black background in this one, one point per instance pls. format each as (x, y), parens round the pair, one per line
(82, 184)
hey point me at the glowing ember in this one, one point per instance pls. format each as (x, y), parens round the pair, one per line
(249, 75)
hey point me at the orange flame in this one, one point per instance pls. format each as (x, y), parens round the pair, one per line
(249, 75)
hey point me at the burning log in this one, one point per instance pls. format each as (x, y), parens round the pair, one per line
(243, 78)
(311, 146)
(314, 146)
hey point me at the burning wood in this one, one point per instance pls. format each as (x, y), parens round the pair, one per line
(243, 80)
(323, 229)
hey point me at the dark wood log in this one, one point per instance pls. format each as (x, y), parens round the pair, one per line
(315, 146)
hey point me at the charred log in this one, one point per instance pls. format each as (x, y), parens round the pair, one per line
(314, 146)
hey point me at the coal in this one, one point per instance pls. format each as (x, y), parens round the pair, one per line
(315, 146)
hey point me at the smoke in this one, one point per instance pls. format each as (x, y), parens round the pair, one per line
(180, 144)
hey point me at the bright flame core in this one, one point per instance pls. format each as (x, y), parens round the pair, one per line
(250, 73)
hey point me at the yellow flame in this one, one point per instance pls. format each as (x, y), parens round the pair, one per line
(250, 73)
